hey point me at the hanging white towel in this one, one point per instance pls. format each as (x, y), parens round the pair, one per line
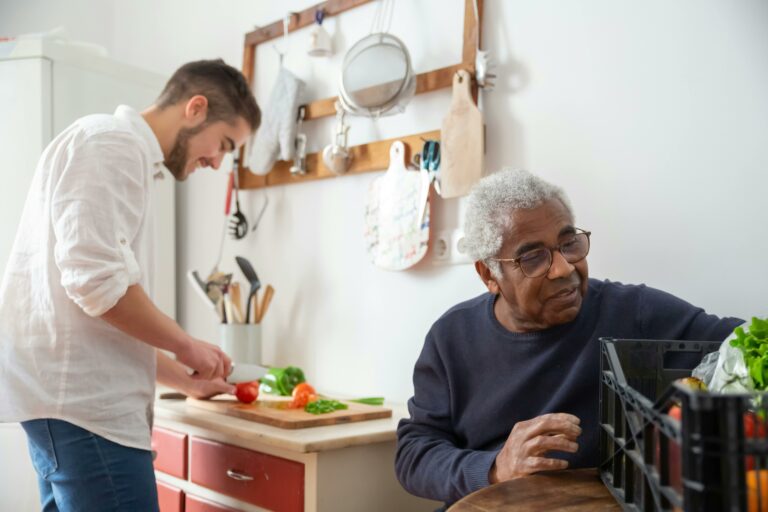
(275, 139)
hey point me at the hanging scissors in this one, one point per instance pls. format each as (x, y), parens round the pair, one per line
(430, 161)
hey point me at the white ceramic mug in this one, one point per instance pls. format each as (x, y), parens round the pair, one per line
(241, 342)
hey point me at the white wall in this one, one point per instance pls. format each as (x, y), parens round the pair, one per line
(653, 115)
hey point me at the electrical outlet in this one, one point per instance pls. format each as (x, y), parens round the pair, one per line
(447, 248)
(441, 248)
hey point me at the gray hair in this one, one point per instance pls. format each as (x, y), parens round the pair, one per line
(490, 207)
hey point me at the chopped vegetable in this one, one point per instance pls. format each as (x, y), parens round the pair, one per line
(376, 400)
(324, 406)
(754, 346)
(302, 395)
(281, 381)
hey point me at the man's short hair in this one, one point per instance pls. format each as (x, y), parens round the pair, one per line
(490, 206)
(225, 88)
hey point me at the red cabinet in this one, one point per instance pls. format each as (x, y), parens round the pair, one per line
(195, 504)
(264, 480)
(170, 498)
(171, 448)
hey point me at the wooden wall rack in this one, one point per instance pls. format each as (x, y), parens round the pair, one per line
(372, 156)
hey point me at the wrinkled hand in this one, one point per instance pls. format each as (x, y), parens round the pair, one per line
(202, 388)
(208, 361)
(526, 448)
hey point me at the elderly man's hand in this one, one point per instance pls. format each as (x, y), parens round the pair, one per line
(529, 442)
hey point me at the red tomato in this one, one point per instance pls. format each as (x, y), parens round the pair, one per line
(247, 392)
(753, 425)
(302, 394)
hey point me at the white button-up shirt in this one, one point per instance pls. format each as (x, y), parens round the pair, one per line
(85, 236)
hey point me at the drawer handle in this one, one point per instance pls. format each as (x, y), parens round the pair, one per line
(236, 475)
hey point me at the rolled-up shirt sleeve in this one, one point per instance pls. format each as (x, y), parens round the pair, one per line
(98, 206)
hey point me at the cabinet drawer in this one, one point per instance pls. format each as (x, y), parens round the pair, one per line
(264, 480)
(170, 498)
(171, 448)
(195, 504)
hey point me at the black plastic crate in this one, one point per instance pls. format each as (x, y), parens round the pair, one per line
(650, 461)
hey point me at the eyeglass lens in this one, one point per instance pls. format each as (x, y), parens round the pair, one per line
(537, 262)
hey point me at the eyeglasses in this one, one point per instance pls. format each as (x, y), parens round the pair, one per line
(537, 262)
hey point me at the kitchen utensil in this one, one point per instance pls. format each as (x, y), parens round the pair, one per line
(215, 287)
(483, 62)
(462, 144)
(428, 166)
(228, 315)
(376, 78)
(234, 294)
(336, 156)
(238, 225)
(245, 372)
(269, 292)
(376, 75)
(172, 395)
(253, 279)
(214, 275)
(198, 285)
(274, 411)
(261, 212)
(394, 237)
(299, 167)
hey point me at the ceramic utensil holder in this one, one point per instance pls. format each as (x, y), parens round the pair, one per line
(241, 342)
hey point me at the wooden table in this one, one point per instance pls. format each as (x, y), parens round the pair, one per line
(578, 489)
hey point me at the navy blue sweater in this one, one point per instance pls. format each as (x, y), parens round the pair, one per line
(475, 379)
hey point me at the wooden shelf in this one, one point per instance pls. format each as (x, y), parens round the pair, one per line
(365, 158)
(373, 156)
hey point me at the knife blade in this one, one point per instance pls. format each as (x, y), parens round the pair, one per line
(245, 372)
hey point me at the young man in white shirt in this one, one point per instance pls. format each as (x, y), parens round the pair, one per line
(78, 331)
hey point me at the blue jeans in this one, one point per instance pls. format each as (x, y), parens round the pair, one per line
(80, 471)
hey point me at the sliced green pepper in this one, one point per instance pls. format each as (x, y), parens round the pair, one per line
(323, 406)
(281, 381)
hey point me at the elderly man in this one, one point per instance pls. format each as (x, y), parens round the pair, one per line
(507, 383)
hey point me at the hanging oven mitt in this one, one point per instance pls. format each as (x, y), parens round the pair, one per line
(396, 223)
(275, 138)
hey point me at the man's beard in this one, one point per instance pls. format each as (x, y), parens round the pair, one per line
(178, 158)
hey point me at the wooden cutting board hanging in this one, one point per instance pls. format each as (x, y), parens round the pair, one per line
(462, 141)
(397, 214)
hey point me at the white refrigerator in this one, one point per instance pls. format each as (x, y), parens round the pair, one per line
(44, 86)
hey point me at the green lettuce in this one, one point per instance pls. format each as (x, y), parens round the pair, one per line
(754, 345)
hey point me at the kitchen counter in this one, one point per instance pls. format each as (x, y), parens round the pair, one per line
(234, 464)
(304, 440)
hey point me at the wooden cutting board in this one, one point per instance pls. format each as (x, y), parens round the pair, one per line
(397, 214)
(462, 141)
(272, 411)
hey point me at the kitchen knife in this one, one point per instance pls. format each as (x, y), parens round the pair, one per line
(245, 372)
